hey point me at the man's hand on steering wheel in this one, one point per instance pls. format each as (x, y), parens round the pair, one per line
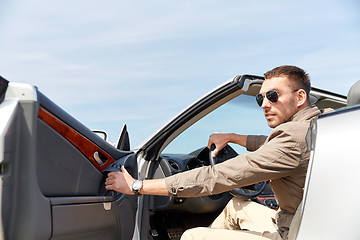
(227, 153)
(219, 140)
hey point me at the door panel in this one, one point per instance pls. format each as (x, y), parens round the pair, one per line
(53, 185)
(92, 221)
(62, 169)
(72, 164)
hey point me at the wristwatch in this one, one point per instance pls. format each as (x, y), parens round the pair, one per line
(136, 186)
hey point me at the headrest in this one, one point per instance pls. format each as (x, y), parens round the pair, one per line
(353, 97)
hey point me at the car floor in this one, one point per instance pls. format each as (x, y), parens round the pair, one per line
(171, 225)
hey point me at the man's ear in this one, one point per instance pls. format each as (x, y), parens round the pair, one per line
(302, 97)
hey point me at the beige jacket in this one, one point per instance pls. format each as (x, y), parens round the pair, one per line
(282, 158)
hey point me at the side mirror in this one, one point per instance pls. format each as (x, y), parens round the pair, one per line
(123, 142)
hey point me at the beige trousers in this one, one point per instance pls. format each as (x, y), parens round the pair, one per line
(240, 219)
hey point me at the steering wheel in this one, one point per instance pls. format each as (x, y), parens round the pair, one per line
(226, 153)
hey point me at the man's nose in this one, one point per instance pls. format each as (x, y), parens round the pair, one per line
(266, 103)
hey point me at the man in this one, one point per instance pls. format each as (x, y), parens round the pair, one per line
(282, 158)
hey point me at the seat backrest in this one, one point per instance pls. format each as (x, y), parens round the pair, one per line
(353, 97)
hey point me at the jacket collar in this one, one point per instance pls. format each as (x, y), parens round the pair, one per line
(305, 114)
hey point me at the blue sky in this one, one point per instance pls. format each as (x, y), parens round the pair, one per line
(141, 62)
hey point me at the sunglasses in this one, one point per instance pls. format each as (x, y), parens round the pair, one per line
(271, 95)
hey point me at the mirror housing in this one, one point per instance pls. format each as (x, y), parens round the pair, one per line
(123, 142)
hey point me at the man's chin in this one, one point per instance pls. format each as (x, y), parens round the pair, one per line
(273, 124)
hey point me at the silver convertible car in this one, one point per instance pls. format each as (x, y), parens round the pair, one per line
(53, 168)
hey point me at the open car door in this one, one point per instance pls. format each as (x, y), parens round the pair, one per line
(53, 171)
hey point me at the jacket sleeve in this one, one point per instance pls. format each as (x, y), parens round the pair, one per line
(253, 142)
(275, 159)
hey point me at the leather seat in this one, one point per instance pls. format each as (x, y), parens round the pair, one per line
(353, 97)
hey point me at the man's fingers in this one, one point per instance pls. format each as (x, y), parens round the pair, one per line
(214, 153)
(209, 144)
(111, 175)
(211, 140)
(123, 169)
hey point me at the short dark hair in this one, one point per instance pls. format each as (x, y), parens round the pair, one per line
(299, 77)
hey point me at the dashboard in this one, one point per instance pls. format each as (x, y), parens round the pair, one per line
(170, 164)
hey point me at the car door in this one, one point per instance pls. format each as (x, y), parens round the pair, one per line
(53, 170)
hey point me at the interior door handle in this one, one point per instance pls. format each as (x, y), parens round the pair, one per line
(99, 158)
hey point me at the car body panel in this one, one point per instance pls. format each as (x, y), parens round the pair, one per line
(334, 168)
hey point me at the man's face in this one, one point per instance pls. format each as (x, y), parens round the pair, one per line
(286, 105)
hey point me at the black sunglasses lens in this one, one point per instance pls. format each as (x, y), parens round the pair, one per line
(272, 95)
(259, 99)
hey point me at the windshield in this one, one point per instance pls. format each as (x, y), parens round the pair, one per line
(240, 115)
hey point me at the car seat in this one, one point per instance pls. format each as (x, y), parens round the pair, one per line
(353, 97)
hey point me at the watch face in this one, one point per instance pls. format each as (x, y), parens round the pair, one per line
(137, 185)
